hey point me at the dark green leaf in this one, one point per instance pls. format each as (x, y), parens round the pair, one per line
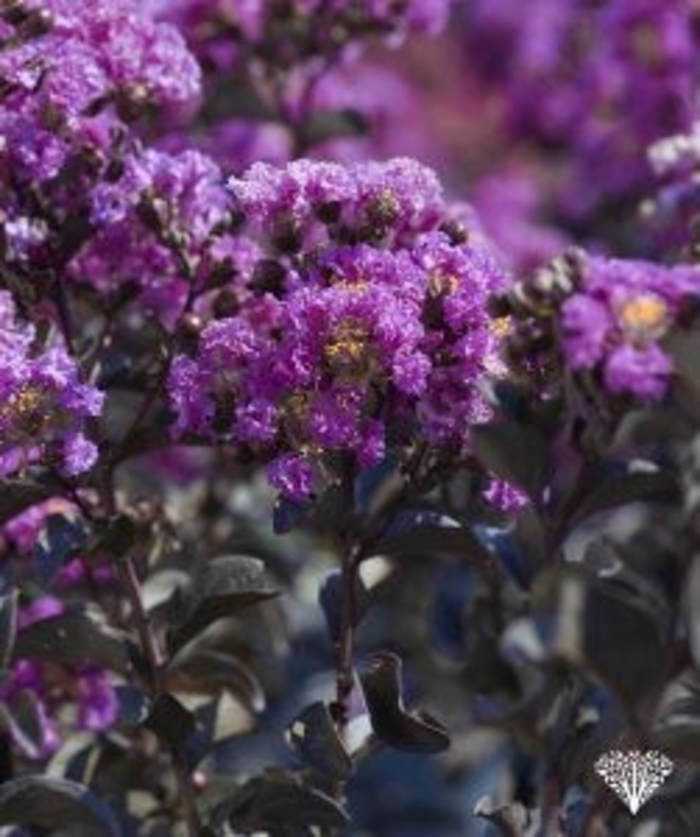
(676, 730)
(61, 539)
(226, 586)
(171, 722)
(616, 632)
(684, 348)
(611, 493)
(514, 452)
(413, 733)
(44, 802)
(433, 533)
(510, 820)
(18, 495)
(24, 721)
(324, 125)
(210, 669)
(693, 609)
(315, 738)
(330, 596)
(8, 626)
(74, 639)
(278, 801)
(117, 536)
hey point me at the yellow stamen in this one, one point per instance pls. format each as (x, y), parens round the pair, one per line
(26, 410)
(644, 318)
(348, 351)
(442, 283)
(351, 287)
(501, 326)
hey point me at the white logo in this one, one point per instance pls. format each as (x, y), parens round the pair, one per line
(634, 775)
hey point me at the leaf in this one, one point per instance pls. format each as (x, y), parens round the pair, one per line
(510, 820)
(25, 720)
(428, 531)
(659, 486)
(676, 729)
(288, 515)
(314, 736)
(413, 733)
(684, 348)
(226, 586)
(330, 597)
(693, 609)
(116, 537)
(171, 722)
(8, 626)
(61, 539)
(324, 125)
(45, 802)
(514, 452)
(207, 668)
(75, 639)
(18, 495)
(278, 801)
(615, 631)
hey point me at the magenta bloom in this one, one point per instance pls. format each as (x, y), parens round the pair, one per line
(615, 320)
(363, 327)
(44, 403)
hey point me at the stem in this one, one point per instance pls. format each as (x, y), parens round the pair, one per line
(64, 315)
(359, 548)
(156, 670)
(147, 638)
(346, 638)
(551, 804)
(149, 645)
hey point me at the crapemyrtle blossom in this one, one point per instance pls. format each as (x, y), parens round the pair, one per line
(296, 60)
(598, 81)
(510, 207)
(44, 404)
(615, 320)
(65, 85)
(220, 32)
(505, 497)
(162, 228)
(368, 329)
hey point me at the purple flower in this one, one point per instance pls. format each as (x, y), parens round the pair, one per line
(373, 333)
(585, 322)
(505, 497)
(44, 404)
(292, 475)
(642, 371)
(616, 318)
(98, 705)
(160, 226)
(601, 80)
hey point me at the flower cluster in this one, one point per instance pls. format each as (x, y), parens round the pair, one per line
(44, 405)
(366, 328)
(616, 318)
(599, 80)
(161, 227)
(313, 27)
(68, 78)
